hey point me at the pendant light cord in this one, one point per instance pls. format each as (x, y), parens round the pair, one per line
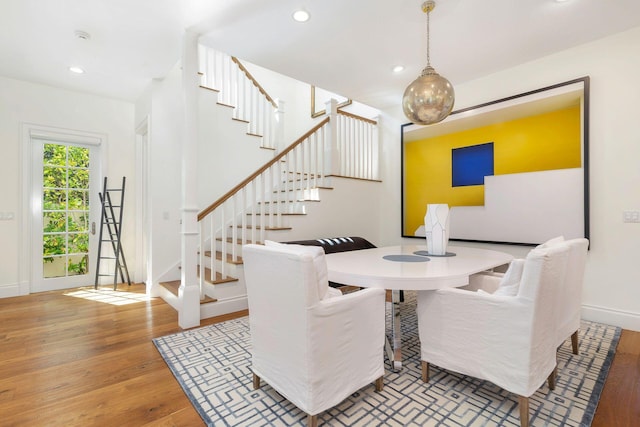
(428, 40)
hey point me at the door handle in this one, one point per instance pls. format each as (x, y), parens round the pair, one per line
(93, 228)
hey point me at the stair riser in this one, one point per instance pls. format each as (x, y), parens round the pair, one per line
(296, 195)
(227, 290)
(285, 207)
(230, 269)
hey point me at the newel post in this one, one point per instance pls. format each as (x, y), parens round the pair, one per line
(189, 291)
(332, 152)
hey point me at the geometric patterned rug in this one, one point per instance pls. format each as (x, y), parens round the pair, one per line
(213, 366)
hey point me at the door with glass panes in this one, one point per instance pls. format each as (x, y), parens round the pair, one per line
(65, 211)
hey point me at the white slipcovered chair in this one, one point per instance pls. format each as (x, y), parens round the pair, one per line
(568, 298)
(313, 345)
(569, 301)
(508, 340)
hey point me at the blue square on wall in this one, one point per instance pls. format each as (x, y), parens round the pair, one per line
(469, 165)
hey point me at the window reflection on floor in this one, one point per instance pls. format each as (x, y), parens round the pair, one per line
(108, 296)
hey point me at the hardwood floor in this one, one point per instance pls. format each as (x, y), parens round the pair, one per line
(620, 401)
(69, 361)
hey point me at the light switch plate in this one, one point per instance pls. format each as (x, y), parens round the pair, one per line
(631, 216)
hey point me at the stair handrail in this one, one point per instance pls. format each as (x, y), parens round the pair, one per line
(257, 204)
(255, 82)
(238, 88)
(262, 169)
(357, 117)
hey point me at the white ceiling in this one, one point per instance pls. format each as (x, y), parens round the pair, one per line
(348, 46)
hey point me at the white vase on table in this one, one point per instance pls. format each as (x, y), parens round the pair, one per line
(436, 227)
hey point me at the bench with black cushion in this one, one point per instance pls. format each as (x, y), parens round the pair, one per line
(341, 244)
(338, 244)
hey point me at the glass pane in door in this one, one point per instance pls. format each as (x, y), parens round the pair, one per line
(65, 210)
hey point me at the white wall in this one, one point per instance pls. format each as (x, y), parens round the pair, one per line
(165, 179)
(612, 283)
(22, 102)
(226, 154)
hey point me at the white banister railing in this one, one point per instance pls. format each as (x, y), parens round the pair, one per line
(238, 88)
(257, 204)
(356, 148)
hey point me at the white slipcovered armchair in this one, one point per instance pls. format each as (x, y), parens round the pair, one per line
(314, 346)
(569, 301)
(568, 298)
(508, 340)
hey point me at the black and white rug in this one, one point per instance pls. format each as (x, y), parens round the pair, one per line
(213, 366)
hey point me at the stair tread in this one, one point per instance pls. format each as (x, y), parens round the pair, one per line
(289, 190)
(173, 286)
(209, 88)
(281, 213)
(238, 241)
(250, 227)
(230, 260)
(218, 280)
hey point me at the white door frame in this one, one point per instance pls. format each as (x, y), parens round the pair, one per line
(29, 132)
(143, 201)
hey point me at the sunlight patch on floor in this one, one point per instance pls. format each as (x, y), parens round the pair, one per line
(108, 296)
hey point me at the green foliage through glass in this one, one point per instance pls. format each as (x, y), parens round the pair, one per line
(65, 204)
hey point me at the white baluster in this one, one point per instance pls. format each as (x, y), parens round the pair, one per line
(360, 152)
(376, 148)
(223, 248)
(212, 247)
(262, 208)
(253, 210)
(234, 229)
(279, 204)
(201, 259)
(243, 233)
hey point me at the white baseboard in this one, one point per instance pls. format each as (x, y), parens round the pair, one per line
(10, 290)
(623, 319)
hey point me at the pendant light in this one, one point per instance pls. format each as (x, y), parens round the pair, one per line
(428, 99)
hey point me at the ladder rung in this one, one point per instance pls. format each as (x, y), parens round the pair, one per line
(107, 257)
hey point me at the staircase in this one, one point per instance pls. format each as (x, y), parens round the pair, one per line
(264, 204)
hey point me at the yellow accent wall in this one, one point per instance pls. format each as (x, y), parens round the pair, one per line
(542, 142)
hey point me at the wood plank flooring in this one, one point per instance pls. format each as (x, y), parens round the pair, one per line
(68, 361)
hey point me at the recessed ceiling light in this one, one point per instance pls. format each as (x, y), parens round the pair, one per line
(398, 68)
(76, 70)
(301, 15)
